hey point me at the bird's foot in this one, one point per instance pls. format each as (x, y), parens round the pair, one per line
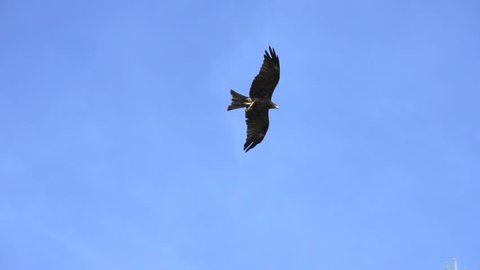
(249, 107)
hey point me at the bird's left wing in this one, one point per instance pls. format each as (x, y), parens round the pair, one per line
(257, 127)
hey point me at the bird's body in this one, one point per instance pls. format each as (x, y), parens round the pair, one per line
(262, 104)
(259, 102)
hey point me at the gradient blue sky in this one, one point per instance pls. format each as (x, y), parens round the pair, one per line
(117, 152)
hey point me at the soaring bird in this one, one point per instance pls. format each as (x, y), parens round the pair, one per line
(260, 99)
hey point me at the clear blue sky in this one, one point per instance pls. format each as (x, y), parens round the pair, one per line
(117, 152)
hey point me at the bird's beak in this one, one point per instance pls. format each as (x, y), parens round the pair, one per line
(276, 106)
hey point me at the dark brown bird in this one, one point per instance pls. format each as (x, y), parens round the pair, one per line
(260, 100)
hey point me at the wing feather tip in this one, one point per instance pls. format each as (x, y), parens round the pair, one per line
(248, 145)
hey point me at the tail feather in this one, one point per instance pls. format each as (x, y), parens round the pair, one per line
(238, 101)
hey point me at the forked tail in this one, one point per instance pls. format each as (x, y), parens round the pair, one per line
(239, 101)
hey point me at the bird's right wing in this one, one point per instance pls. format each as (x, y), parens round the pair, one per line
(268, 77)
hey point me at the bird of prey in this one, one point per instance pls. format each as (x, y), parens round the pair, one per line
(260, 99)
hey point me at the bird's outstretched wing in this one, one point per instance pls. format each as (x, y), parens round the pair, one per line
(257, 127)
(268, 77)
